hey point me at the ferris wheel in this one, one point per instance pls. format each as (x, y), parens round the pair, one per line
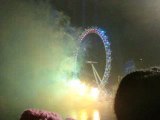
(101, 82)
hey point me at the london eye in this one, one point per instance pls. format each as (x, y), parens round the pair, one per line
(99, 80)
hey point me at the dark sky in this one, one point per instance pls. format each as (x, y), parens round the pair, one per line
(37, 40)
(132, 26)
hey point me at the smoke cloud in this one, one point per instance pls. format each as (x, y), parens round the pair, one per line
(36, 54)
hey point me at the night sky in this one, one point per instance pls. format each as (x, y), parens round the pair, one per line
(38, 39)
(132, 26)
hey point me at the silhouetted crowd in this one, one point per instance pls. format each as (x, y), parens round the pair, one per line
(137, 98)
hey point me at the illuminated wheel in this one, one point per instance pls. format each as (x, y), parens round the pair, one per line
(106, 44)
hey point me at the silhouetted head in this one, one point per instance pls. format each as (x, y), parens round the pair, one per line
(34, 114)
(138, 96)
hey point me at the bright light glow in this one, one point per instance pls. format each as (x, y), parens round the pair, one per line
(82, 90)
(94, 93)
(96, 115)
(84, 115)
(74, 115)
(79, 87)
(74, 83)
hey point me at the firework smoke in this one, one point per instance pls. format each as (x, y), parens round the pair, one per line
(36, 49)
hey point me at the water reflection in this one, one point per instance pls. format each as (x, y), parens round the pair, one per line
(86, 115)
(83, 115)
(96, 115)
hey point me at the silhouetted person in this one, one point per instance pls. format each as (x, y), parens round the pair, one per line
(33, 114)
(138, 96)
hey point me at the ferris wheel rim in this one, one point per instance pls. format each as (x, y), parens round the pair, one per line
(102, 34)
